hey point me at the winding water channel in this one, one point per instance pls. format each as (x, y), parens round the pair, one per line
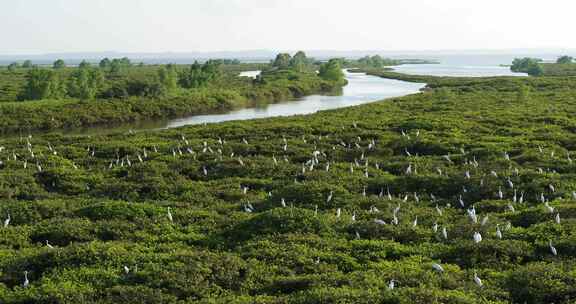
(361, 89)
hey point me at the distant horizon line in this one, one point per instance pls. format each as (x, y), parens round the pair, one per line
(503, 51)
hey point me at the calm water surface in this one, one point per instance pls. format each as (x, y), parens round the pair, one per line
(361, 89)
(456, 70)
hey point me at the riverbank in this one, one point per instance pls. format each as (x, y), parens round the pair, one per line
(467, 84)
(48, 115)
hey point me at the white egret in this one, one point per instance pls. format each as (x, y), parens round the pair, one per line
(26, 281)
(437, 267)
(498, 232)
(438, 210)
(484, 220)
(461, 201)
(169, 214)
(330, 195)
(552, 248)
(477, 237)
(7, 221)
(477, 280)
(379, 222)
(439, 171)
(472, 215)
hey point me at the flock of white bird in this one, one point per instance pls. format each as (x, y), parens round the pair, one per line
(318, 159)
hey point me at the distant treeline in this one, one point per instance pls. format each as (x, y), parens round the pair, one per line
(116, 91)
(564, 66)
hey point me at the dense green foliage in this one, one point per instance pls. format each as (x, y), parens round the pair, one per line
(527, 65)
(379, 62)
(168, 77)
(85, 82)
(564, 66)
(59, 64)
(282, 61)
(199, 75)
(332, 71)
(27, 64)
(85, 96)
(43, 84)
(565, 59)
(299, 62)
(13, 66)
(376, 61)
(116, 65)
(323, 208)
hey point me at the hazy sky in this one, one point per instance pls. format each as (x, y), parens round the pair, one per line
(39, 26)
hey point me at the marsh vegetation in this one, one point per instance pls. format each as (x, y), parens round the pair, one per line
(464, 193)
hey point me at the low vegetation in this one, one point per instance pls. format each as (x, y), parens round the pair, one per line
(464, 193)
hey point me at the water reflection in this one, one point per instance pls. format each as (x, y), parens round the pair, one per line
(456, 70)
(361, 89)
